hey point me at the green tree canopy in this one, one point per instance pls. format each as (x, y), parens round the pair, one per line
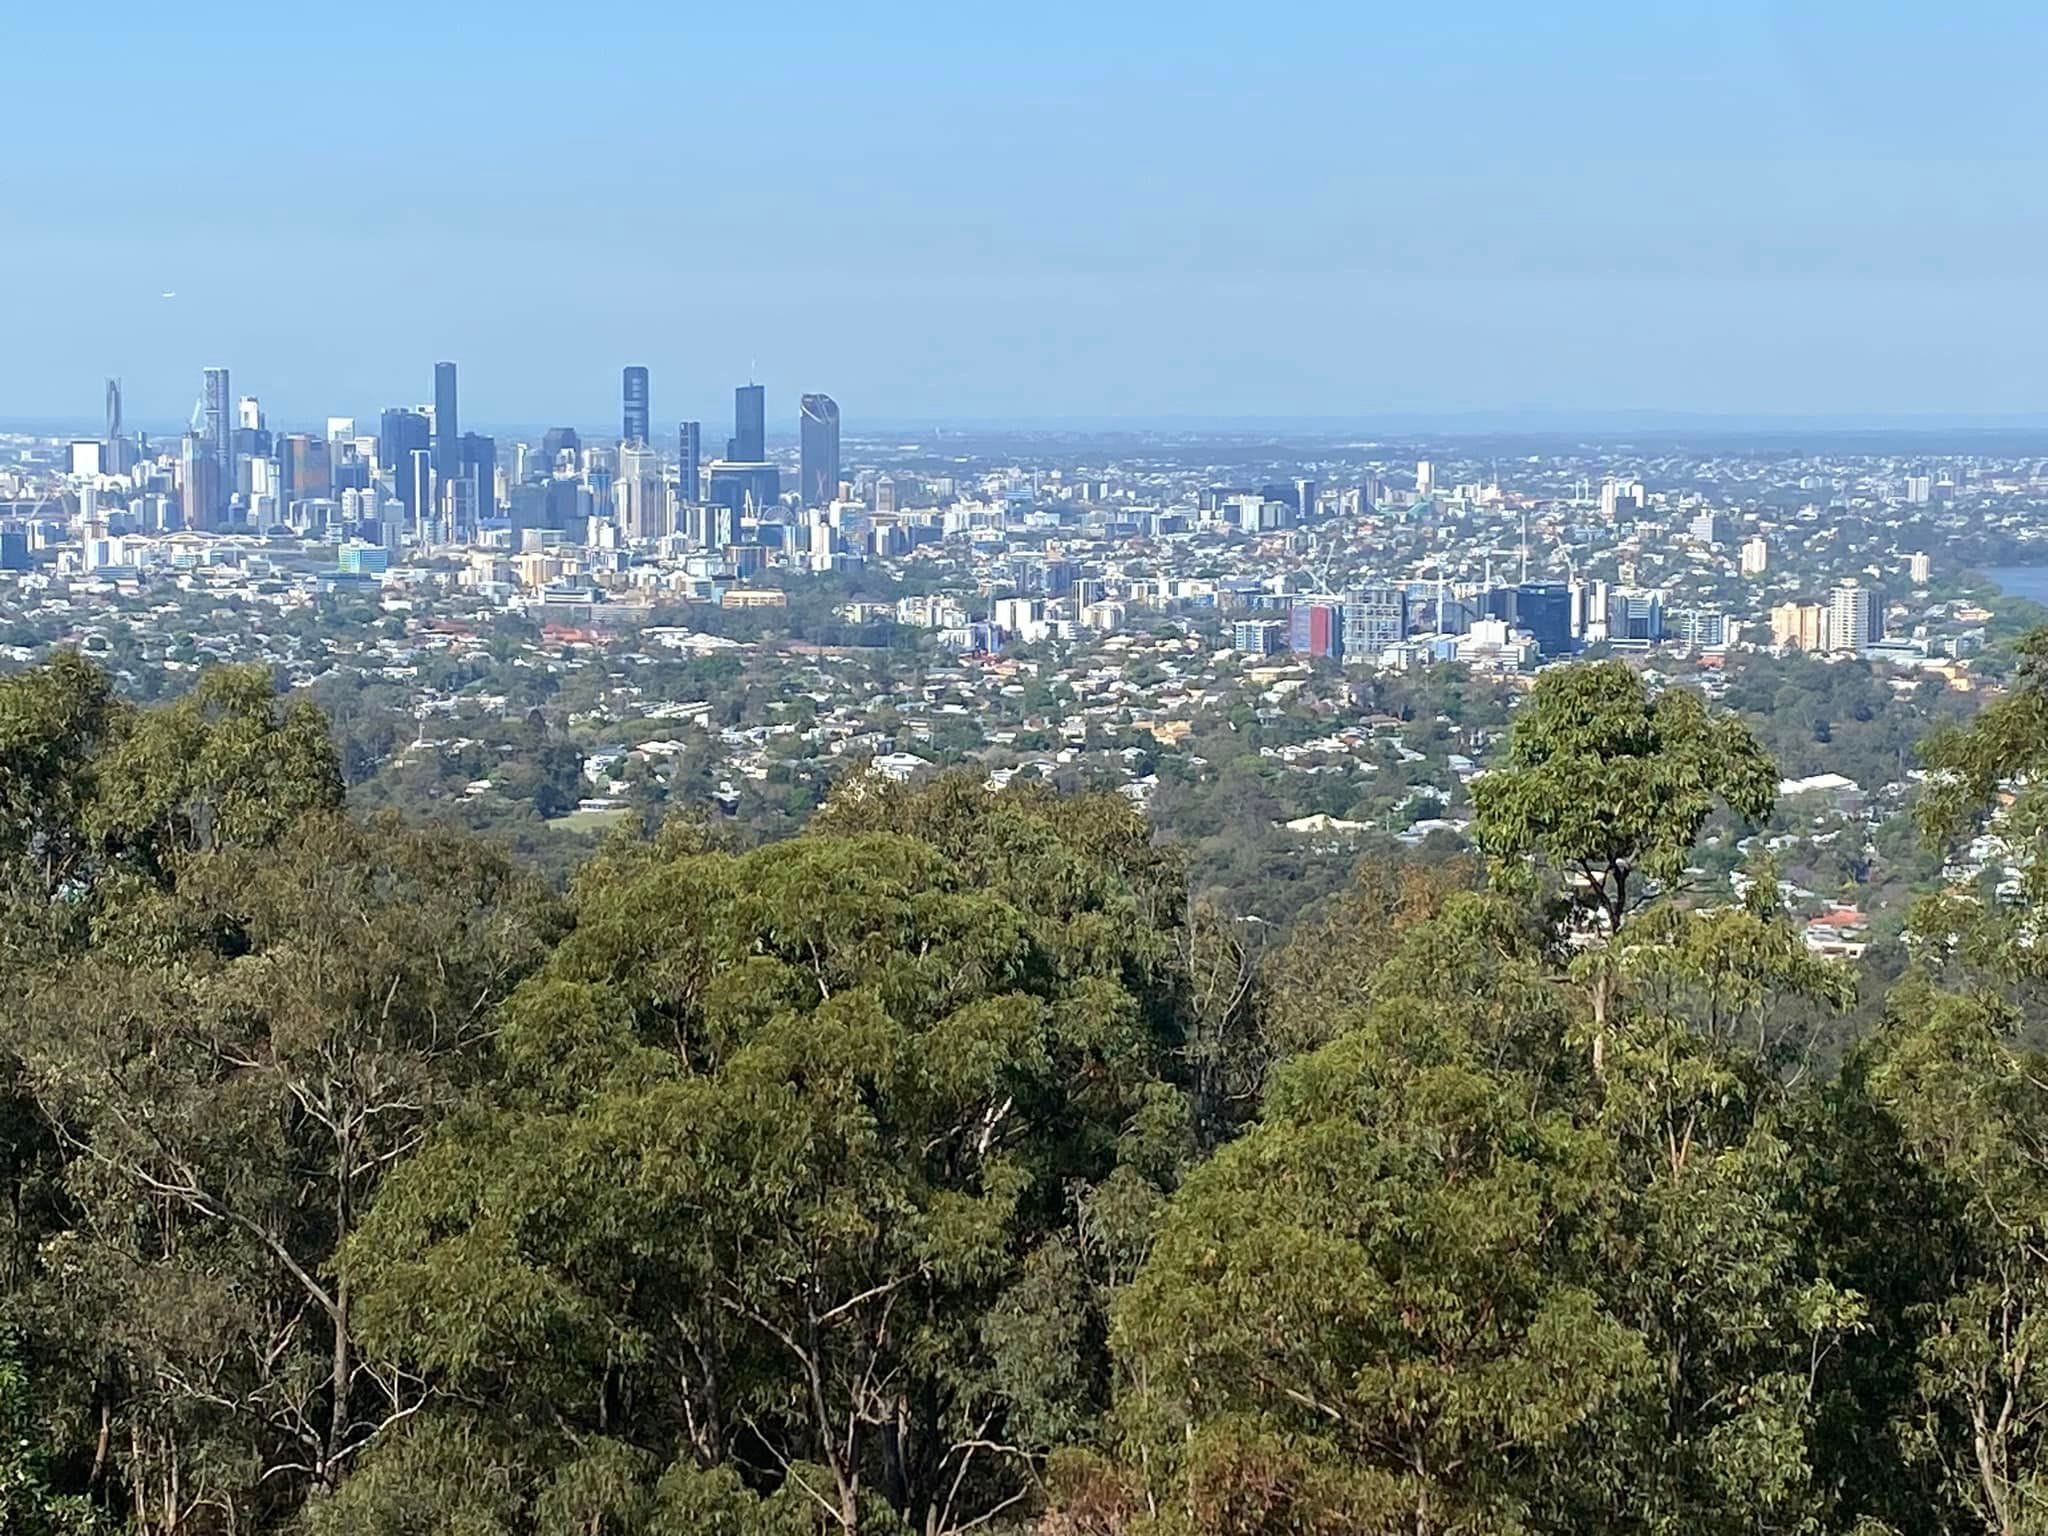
(1607, 786)
(805, 1161)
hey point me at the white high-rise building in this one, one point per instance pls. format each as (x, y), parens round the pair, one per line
(1756, 557)
(249, 415)
(1855, 617)
(1425, 477)
(1920, 568)
(639, 495)
(340, 428)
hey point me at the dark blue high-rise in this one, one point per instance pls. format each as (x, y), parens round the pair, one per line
(750, 424)
(399, 434)
(637, 423)
(819, 450)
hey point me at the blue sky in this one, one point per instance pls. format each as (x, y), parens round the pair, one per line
(965, 211)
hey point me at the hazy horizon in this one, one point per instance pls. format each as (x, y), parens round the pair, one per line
(1137, 213)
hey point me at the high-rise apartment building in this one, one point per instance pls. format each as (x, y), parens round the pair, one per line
(636, 423)
(1371, 620)
(749, 424)
(1756, 557)
(1920, 569)
(1305, 493)
(1315, 628)
(1700, 628)
(819, 448)
(1856, 616)
(447, 431)
(1802, 627)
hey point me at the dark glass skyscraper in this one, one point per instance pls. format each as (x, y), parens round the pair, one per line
(199, 485)
(447, 434)
(689, 462)
(399, 434)
(638, 423)
(742, 488)
(750, 424)
(480, 459)
(820, 450)
(558, 441)
(1544, 610)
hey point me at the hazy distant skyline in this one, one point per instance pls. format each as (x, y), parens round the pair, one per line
(1052, 212)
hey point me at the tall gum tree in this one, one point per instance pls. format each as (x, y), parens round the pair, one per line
(1605, 788)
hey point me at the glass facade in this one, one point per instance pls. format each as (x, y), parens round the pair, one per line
(820, 450)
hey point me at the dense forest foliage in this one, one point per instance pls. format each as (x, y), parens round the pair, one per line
(947, 1165)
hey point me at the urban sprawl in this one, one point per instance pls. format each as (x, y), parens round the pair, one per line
(1286, 647)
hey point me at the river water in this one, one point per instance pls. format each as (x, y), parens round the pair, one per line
(2028, 581)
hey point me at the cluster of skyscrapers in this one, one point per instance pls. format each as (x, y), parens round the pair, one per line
(421, 479)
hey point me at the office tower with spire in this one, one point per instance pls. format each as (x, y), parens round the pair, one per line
(819, 448)
(447, 432)
(750, 424)
(217, 431)
(636, 427)
(121, 454)
(689, 462)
